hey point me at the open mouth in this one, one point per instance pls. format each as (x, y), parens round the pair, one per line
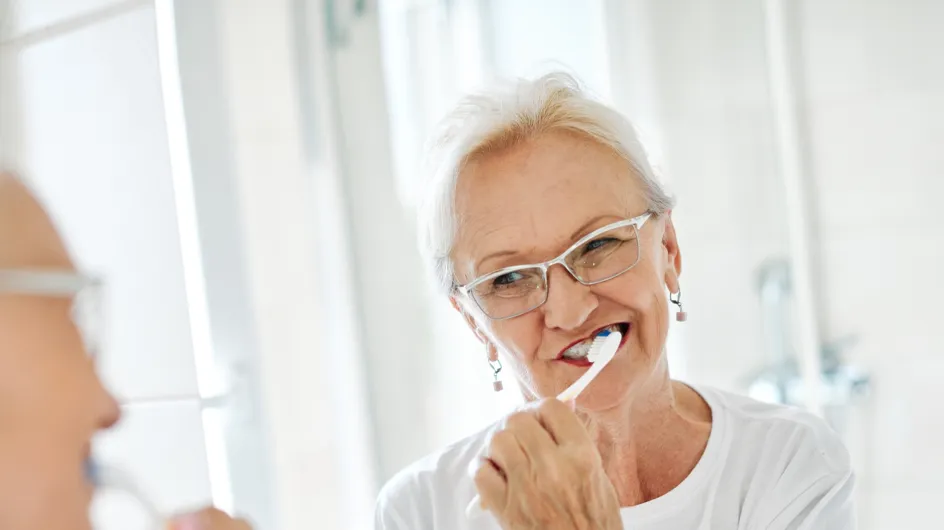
(577, 352)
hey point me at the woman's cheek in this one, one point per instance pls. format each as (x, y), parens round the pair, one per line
(519, 337)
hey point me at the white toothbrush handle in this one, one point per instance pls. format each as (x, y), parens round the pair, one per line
(581, 384)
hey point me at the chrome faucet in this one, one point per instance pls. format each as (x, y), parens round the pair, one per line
(779, 380)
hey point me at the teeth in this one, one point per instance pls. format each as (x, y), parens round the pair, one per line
(578, 351)
(582, 349)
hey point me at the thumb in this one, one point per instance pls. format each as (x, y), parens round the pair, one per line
(190, 521)
(207, 519)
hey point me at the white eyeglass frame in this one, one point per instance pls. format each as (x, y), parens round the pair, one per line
(638, 222)
(62, 284)
(41, 282)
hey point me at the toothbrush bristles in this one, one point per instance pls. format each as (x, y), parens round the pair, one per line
(597, 345)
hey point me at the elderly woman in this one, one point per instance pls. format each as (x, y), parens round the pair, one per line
(51, 401)
(544, 225)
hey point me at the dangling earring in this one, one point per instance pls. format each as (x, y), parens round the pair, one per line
(496, 367)
(681, 315)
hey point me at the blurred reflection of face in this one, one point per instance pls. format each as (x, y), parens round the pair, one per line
(51, 401)
(529, 203)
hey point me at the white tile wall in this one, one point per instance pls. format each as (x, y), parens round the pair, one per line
(712, 107)
(874, 86)
(583, 51)
(31, 15)
(852, 47)
(285, 146)
(723, 339)
(9, 111)
(95, 145)
(894, 508)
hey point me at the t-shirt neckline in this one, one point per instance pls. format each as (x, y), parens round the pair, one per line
(686, 491)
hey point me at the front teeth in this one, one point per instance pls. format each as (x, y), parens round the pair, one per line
(578, 351)
(582, 349)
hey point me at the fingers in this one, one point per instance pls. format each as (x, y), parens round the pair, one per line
(522, 442)
(491, 485)
(506, 452)
(208, 519)
(561, 422)
(530, 433)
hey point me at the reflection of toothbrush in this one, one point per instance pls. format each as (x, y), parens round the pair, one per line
(109, 478)
(601, 353)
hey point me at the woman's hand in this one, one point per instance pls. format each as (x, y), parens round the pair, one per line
(542, 470)
(208, 519)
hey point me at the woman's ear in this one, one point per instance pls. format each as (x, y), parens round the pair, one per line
(673, 254)
(469, 319)
(490, 349)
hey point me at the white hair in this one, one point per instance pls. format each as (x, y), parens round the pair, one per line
(511, 115)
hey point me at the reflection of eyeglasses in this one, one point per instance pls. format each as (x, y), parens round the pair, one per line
(86, 295)
(85, 292)
(597, 257)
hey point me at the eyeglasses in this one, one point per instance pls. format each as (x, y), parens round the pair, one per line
(597, 257)
(85, 292)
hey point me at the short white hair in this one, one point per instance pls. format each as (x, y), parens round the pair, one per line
(511, 115)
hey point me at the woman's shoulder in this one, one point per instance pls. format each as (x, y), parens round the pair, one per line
(437, 482)
(761, 424)
(793, 464)
(750, 417)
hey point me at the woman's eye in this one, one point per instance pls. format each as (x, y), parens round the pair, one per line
(506, 279)
(598, 244)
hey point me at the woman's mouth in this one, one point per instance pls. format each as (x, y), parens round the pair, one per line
(576, 353)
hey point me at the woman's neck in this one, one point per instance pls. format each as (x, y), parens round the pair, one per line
(657, 448)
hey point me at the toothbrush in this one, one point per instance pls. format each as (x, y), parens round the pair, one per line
(110, 478)
(601, 353)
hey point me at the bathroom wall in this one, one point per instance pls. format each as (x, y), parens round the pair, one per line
(873, 93)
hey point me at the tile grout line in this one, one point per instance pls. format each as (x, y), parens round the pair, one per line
(160, 400)
(72, 24)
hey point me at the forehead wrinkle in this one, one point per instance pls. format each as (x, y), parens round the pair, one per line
(483, 234)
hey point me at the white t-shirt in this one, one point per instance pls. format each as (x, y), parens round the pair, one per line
(765, 467)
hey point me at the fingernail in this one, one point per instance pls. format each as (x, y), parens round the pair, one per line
(572, 404)
(187, 522)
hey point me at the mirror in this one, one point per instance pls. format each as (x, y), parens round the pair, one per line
(247, 182)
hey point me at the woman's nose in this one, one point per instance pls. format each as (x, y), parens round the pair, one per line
(109, 412)
(569, 302)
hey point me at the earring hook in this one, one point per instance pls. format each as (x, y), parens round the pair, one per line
(496, 367)
(676, 298)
